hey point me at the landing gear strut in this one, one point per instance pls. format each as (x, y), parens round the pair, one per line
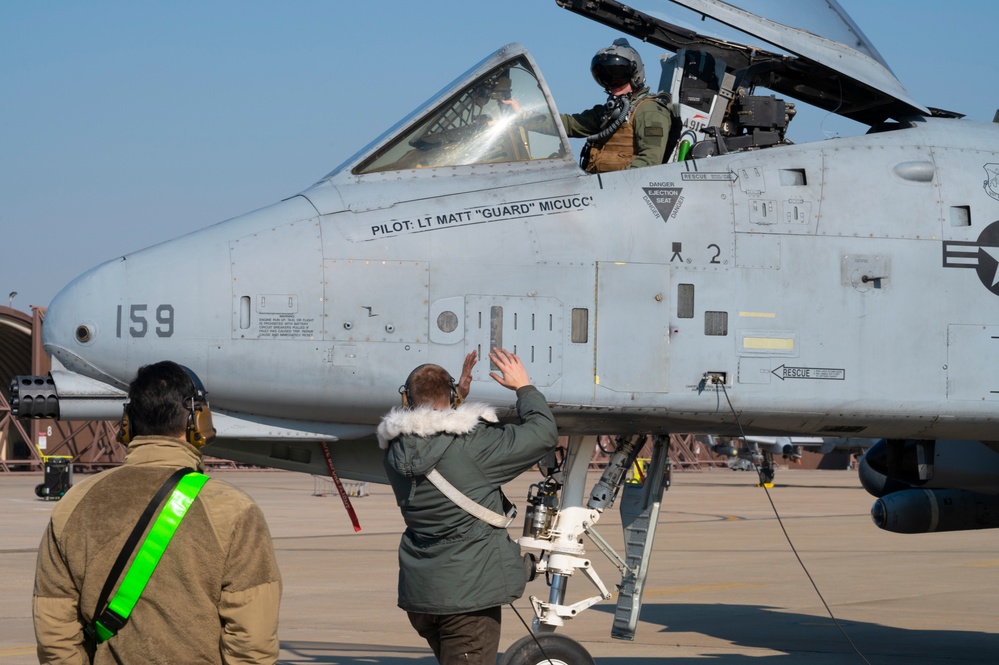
(766, 470)
(555, 525)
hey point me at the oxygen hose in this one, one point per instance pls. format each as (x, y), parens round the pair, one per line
(618, 109)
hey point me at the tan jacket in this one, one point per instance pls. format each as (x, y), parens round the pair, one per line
(214, 596)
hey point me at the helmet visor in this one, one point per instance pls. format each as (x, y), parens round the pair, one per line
(611, 71)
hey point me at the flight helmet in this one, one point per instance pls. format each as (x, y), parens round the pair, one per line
(616, 65)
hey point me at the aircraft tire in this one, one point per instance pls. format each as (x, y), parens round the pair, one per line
(555, 649)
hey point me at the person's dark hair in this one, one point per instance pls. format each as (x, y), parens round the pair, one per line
(159, 400)
(429, 385)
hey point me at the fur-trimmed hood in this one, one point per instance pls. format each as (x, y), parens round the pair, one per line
(425, 433)
(426, 421)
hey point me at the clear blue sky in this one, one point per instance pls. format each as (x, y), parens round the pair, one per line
(123, 124)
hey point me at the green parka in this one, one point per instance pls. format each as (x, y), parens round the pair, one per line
(449, 561)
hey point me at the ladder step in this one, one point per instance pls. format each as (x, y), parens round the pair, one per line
(639, 508)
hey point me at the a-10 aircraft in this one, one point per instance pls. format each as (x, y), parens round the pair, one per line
(759, 452)
(753, 287)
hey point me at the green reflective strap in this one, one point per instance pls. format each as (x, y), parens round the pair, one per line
(103, 634)
(154, 545)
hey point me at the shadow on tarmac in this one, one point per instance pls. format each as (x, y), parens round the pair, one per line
(798, 637)
(807, 638)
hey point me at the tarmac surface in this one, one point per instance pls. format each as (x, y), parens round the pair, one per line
(724, 585)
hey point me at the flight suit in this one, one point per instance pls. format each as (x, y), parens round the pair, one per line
(640, 141)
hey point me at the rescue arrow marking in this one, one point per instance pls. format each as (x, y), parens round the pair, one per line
(704, 176)
(824, 373)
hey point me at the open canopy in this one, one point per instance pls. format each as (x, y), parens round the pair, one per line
(850, 79)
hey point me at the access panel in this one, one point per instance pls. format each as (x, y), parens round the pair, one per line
(632, 327)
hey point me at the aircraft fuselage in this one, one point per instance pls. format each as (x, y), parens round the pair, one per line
(845, 287)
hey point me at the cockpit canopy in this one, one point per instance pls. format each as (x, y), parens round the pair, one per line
(474, 125)
(481, 120)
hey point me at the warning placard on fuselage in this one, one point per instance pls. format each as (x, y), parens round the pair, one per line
(665, 199)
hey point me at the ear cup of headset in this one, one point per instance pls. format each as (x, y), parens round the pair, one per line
(124, 430)
(200, 431)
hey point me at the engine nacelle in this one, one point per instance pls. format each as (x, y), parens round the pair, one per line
(926, 511)
(930, 486)
(892, 465)
(792, 453)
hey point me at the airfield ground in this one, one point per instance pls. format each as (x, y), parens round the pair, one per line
(724, 587)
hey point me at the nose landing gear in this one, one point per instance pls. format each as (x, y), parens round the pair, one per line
(556, 525)
(545, 648)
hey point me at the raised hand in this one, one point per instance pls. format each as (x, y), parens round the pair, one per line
(512, 374)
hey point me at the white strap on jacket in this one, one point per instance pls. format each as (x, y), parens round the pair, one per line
(466, 504)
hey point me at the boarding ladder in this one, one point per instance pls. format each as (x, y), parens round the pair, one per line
(639, 506)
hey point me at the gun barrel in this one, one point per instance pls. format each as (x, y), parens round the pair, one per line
(34, 397)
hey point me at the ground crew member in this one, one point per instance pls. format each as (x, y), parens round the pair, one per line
(457, 564)
(214, 594)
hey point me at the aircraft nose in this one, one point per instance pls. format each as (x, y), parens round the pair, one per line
(82, 326)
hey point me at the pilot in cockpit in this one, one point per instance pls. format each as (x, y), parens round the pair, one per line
(503, 116)
(632, 128)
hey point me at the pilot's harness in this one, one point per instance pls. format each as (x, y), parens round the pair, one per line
(617, 111)
(110, 617)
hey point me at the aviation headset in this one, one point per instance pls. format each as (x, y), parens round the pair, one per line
(200, 431)
(406, 388)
